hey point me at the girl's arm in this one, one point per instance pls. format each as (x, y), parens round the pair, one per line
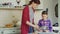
(39, 23)
(50, 26)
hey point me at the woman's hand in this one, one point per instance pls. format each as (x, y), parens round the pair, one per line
(41, 30)
(37, 27)
(46, 30)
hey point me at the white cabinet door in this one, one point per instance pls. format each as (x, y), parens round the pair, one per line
(0, 32)
(11, 32)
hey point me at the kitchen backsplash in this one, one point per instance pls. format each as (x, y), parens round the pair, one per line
(6, 16)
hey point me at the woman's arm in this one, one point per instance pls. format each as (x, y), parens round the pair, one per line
(30, 24)
(35, 26)
(49, 27)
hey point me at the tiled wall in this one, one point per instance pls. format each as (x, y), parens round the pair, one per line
(6, 16)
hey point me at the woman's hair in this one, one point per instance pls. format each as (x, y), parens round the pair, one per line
(45, 12)
(35, 1)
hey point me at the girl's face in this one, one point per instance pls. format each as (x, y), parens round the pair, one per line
(44, 16)
(34, 5)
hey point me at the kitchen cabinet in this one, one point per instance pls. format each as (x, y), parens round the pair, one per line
(11, 32)
(0, 32)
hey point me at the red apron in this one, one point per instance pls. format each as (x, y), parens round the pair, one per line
(25, 17)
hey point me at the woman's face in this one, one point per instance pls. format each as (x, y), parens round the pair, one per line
(34, 5)
(44, 16)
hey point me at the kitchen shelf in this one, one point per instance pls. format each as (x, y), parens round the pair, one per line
(11, 8)
(17, 9)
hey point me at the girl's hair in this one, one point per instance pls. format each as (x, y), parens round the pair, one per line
(45, 12)
(35, 1)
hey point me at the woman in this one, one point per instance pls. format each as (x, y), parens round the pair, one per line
(27, 25)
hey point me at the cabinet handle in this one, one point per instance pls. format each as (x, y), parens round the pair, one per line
(13, 31)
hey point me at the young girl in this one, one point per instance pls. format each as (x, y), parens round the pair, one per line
(27, 25)
(45, 24)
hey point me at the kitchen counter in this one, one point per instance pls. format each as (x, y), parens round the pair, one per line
(10, 28)
(14, 30)
(45, 33)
